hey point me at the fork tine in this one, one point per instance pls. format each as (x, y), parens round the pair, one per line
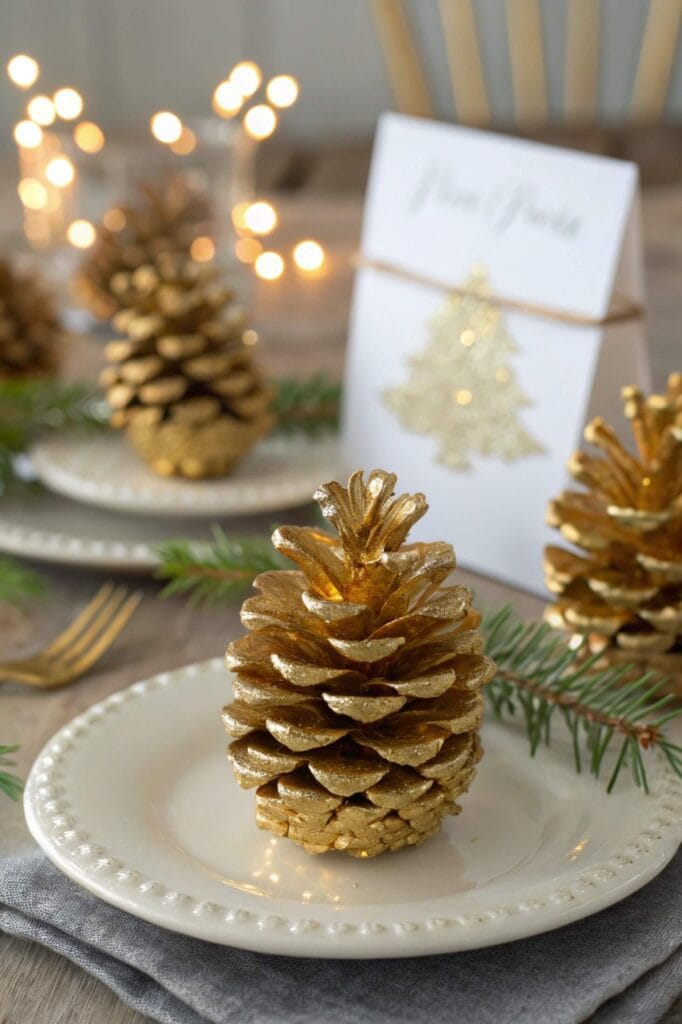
(87, 636)
(104, 641)
(80, 622)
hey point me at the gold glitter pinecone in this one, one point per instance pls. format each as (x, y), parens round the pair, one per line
(169, 215)
(358, 687)
(183, 382)
(625, 591)
(30, 332)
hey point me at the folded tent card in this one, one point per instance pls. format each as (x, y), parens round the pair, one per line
(497, 309)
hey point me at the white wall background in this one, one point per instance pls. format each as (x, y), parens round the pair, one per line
(132, 57)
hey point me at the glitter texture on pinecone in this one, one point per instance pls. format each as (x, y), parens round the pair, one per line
(183, 383)
(625, 591)
(358, 686)
(30, 332)
(167, 218)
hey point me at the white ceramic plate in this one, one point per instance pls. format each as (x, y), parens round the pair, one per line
(48, 527)
(103, 470)
(135, 801)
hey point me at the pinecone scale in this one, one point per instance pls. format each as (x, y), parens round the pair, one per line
(358, 686)
(167, 218)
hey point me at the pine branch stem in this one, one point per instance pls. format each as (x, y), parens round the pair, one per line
(645, 734)
(323, 411)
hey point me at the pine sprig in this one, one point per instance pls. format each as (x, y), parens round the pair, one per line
(215, 571)
(10, 784)
(29, 406)
(540, 677)
(17, 582)
(308, 405)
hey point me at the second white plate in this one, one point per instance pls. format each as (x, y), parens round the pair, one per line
(103, 470)
(169, 836)
(51, 528)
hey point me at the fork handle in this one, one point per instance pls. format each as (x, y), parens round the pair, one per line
(24, 679)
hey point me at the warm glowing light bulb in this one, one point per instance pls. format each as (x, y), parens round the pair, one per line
(41, 110)
(88, 136)
(23, 70)
(227, 99)
(282, 90)
(308, 255)
(247, 76)
(114, 219)
(60, 172)
(463, 396)
(186, 144)
(166, 127)
(202, 249)
(28, 134)
(247, 250)
(260, 217)
(81, 233)
(32, 193)
(239, 215)
(260, 121)
(269, 266)
(68, 103)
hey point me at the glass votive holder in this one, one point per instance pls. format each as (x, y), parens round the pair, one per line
(69, 182)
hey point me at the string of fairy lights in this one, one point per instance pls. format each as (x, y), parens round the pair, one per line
(47, 173)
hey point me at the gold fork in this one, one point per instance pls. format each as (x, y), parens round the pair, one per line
(80, 645)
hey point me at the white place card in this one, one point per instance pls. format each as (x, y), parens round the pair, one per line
(479, 403)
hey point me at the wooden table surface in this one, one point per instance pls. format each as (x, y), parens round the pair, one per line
(37, 986)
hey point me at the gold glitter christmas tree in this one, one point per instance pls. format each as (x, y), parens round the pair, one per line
(461, 389)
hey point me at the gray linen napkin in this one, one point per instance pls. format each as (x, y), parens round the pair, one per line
(624, 965)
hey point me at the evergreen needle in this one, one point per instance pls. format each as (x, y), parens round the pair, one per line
(308, 405)
(217, 570)
(10, 784)
(31, 406)
(17, 583)
(597, 706)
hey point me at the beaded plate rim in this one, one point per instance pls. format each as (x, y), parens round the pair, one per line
(69, 549)
(54, 824)
(305, 461)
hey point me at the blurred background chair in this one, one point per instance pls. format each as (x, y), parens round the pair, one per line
(577, 75)
(578, 70)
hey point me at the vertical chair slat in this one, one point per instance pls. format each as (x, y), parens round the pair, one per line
(581, 84)
(656, 59)
(402, 60)
(464, 59)
(526, 53)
